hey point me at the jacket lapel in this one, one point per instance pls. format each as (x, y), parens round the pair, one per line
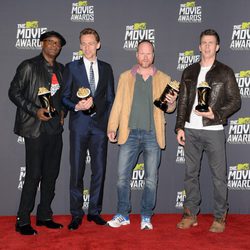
(101, 75)
(81, 74)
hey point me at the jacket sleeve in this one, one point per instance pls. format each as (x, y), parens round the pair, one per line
(63, 108)
(110, 90)
(20, 88)
(232, 98)
(182, 105)
(114, 117)
(67, 87)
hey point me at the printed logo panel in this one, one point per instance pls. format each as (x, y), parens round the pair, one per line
(190, 13)
(241, 37)
(28, 35)
(137, 181)
(239, 177)
(243, 80)
(82, 11)
(137, 32)
(187, 58)
(239, 131)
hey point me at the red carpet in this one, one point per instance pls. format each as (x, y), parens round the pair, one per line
(164, 236)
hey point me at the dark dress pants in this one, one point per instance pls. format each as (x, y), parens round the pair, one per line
(43, 155)
(95, 140)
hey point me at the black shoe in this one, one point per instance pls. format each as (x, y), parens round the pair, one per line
(49, 224)
(25, 229)
(75, 223)
(97, 219)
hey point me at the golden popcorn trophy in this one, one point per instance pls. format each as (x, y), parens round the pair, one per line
(172, 87)
(203, 95)
(84, 94)
(46, 102)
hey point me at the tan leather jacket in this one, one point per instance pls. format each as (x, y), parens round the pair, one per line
(119, 116)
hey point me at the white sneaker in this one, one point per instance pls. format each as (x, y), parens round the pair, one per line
(146, 223)
(119, 220)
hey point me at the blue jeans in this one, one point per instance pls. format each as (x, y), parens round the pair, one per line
(137, 142)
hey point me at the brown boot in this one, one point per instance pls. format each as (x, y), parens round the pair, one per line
(188, 220)
(218, 225)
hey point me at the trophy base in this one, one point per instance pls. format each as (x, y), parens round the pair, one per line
(161, 105)
(51, 114)
(202, 108)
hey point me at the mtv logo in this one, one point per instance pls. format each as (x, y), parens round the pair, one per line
(85, 192)
(140, 26)
(245, 73)
(20, 140)
(180, 196)
(190, 4)
(189, 53)
(244, 120)
(139, 166)
(80, 53)
(245, 25)
(31, 24)
(243, 166)
(82, 3)
(22, 173)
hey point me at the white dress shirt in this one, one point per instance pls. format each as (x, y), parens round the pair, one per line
(95, 69)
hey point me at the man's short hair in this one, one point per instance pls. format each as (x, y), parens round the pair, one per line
(210, 32)
(89, 31)
(145, 41)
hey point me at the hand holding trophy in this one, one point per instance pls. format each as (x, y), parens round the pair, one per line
(203, 95)
(172, 87)
(46, 102)
(84, 94)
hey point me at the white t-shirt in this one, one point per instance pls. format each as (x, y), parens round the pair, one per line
(195, 120)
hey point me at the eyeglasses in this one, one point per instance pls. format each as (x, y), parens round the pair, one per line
(52, 42)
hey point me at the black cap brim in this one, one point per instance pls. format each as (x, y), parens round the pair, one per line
(53, 33)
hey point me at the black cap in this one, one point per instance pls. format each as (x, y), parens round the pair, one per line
(53, 33)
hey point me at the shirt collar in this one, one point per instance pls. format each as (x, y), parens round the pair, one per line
(87, 62)
(135, 68)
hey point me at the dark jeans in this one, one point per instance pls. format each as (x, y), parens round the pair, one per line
(43, 155)
(213, 144)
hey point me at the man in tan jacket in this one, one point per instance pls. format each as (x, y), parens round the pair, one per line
(141, 129)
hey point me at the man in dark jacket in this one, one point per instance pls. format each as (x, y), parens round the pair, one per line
(202, 130)
(42, 127)
(88, 124)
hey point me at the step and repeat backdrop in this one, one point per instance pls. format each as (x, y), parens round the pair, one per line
(174, 28)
